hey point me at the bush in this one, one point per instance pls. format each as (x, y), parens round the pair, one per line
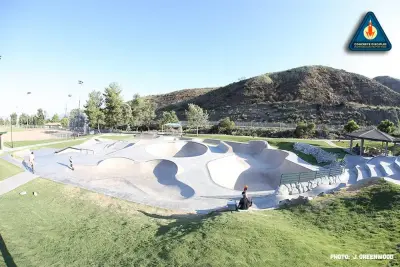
(304, 130)
(225, 126)
(386, 126)
(351, 126)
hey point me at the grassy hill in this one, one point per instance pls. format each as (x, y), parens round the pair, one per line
(67, 226)
(317, 93)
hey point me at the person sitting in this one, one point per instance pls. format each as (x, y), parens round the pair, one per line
(245, 203)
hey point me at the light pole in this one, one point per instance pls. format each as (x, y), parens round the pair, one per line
(27, 116)
(66, 105)
(79, 107)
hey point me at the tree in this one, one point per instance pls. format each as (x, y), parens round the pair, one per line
(168, 117)
(113, 105)
(148, 112)
(304, 130)
(386, 126)
(14, 117)
(143, 111)
(351, 126)
(55, 118)
(64, 122)
(93, 109)
(196, 117)
(23, 119)
(126, 115)
(226, 125)
(7, 121)
(2, 121)
(136, 104)
(77, 118)
(40, 117)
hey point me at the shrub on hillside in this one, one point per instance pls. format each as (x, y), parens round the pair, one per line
(225, 126)
(386, 126)
(351, 126)
(305, 130)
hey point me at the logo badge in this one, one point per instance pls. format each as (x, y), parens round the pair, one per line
(370, 36)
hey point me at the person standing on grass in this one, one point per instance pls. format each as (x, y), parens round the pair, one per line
(32, 161)
(70, 163)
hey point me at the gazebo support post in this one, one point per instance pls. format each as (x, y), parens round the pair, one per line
(351, 145)
(386, 149)
(362, 147)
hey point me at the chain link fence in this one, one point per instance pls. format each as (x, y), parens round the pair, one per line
(276, 125)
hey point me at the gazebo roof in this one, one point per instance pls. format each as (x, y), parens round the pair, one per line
(373, 134)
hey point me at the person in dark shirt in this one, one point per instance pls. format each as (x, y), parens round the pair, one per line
(245, 203)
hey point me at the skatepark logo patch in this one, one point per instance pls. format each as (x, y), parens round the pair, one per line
(370, 36)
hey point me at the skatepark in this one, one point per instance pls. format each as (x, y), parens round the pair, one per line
(171, 172)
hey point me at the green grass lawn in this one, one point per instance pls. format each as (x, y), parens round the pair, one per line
(68, 226)
(118, 137)
(7, 169)
(72, 142)
(346, 143)
(32, 142)
(394, 150)
(281, 143)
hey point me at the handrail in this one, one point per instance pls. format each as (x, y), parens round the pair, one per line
(300, 177)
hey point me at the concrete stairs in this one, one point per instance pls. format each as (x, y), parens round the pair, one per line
(376, 167)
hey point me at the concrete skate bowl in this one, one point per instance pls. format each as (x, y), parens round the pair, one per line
(179, 149)
(147, 136)
(157, 178)
(261, 170)
(75, 150)
(217, 146)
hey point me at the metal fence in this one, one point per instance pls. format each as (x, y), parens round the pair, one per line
(276, 125)
(301, 177)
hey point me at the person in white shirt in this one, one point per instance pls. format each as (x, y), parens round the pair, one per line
(32, 161)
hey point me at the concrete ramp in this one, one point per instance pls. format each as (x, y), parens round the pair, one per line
(156, 177)
(260, 170)
(251, 148)
(179, 149)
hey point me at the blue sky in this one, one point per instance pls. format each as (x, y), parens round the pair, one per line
(151, 47)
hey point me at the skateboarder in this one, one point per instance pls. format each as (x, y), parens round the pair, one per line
(70, 163)
(32, 161)
(245, 203)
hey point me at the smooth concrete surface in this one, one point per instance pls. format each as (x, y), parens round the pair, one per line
(254, 165)
(15, 181)
(167, 172)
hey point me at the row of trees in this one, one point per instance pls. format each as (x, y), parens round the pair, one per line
(109, 110)
(386, 126)
(24, 119)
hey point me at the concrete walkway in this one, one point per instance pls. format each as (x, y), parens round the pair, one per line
(15, 181)
(329, 142)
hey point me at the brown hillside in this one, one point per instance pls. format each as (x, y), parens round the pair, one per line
(390, 82)
(176, 97)
(318, 93)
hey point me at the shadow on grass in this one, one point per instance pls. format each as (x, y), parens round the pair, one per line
(181, 225)
(8, 259)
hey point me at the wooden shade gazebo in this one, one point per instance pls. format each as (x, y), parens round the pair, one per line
(373, 135)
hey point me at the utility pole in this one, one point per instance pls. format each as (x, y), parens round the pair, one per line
(79, 105)
(12, 142)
